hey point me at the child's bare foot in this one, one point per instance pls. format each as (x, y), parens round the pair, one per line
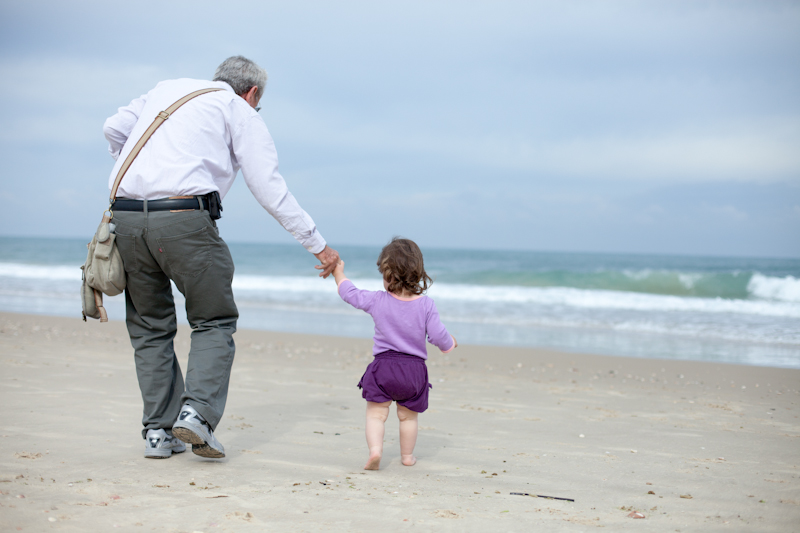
(374, 461)
(409, 460)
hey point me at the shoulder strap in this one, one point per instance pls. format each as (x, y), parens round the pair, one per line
(159, 120)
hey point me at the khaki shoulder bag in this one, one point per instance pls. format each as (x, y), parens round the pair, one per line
(103, 272)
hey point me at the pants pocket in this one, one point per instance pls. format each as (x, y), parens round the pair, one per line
(188, 254)
(126, 244)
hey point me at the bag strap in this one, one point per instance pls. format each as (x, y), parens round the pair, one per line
(98, 302)
(158, 121)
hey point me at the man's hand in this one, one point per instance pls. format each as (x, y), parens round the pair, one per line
(329, 259)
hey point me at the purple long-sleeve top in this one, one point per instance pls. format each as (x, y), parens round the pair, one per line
(401, 324)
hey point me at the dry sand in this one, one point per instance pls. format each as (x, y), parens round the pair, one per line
(691, 446)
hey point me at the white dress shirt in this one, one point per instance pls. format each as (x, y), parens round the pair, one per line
(200, 149)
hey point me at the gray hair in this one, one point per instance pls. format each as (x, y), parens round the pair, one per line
(242, 74)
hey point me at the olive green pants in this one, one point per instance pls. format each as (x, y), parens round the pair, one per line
(184, 247)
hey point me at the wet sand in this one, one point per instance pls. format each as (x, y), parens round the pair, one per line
(691, 446)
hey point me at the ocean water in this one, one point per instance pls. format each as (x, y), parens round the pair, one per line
(735, 310)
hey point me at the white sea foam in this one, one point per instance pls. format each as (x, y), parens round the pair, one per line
(56, 272)
(603, 299)
(655, 324)
(562, 297)
(713, 330)
(771, 288)
(772, 296)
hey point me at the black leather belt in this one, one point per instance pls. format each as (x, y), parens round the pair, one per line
(165, 204)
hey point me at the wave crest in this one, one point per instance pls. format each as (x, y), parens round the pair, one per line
(770, 288)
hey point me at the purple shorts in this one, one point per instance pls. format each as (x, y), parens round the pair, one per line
(399, 377)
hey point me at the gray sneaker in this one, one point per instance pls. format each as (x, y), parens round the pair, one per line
(159, 445)
(193, 429)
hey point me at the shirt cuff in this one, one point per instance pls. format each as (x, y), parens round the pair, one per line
(453, 347)
(314, 244)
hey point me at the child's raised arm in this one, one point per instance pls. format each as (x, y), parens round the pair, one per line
(338, 272)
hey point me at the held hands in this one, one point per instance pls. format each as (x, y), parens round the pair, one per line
(328, 258)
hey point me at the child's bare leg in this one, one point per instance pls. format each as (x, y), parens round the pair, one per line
(377, 413)
(408, 434)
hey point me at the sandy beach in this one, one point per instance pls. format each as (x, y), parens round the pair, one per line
(690, 446)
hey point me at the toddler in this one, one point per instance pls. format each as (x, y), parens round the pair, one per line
(403, 317)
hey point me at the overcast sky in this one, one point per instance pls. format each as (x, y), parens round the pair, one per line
(652, 127)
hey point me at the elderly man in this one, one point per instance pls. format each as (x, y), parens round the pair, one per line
(165, 213)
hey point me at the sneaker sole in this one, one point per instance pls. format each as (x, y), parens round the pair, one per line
(187, 435)
(199, 445)
(204, 450)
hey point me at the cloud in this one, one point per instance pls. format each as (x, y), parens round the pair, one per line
(54, 80)
(66, 100)
(757, 149)
(672, 157)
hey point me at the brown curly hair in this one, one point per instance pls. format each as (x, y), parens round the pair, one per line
(402, 267)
